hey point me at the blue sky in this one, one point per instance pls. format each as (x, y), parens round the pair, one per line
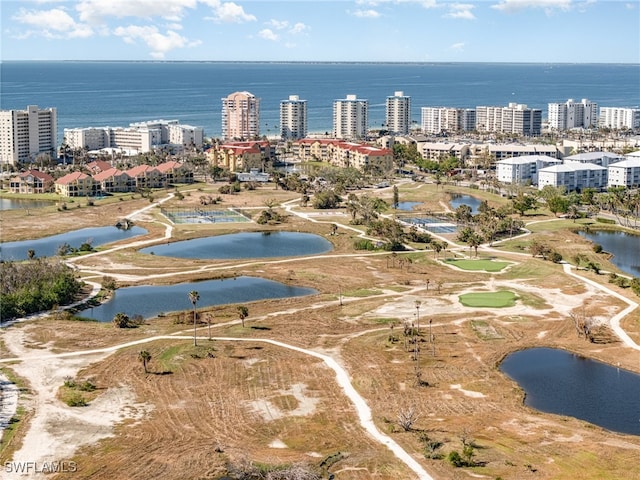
(575, 31)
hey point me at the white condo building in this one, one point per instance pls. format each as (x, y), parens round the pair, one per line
(350, 118)
(604, 159)
(436, 120)
(619, 118)
(240, 116)
(625, 173)
(573, 176)
(137, 138)
(293, 118)
(26, 133)
(571, 114)
(514, 118)
(398, 114)
(523, 169)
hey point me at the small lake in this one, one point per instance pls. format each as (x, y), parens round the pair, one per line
(150, 301)
(245, 245)
(624, 246)
(458, 199)
(19, 203)
(407, 206)
(560, 382)
(48, 246)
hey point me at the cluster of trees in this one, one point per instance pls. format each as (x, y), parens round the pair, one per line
(34, 286)
(487, 225)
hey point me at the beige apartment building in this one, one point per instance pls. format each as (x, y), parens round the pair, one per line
(240, 116)
(24, 134)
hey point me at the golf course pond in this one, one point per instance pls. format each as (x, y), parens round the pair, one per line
(150, 301)
(244, 245)
(49, 246)
(624, 246)
(563, 383)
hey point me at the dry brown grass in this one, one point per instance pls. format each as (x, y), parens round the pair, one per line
(204, 410)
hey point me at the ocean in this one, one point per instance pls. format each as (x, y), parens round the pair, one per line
(119, 93)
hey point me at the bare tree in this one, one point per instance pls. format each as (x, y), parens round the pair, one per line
(407, 417)
(194, 297)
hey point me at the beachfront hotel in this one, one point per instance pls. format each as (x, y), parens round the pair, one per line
(293, 118)
(139, 137)
(437, 120)
(398, 114)
(350, 118)
(571, 114)
(619, 118)
(24, 134)
(240, 116)
(515, 118)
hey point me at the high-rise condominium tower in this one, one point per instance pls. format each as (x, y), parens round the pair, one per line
(398, 114)
(26, 133)
(568, 115)
(240, 116)
(293, 118)
(350, 118)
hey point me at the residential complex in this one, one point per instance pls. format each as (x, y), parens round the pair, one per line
(350, 118)
(571, 114)
(137, 138)
(619, 118)
(514, 118)
(398, 114)
(437, 120)
(293, 118)
(604, 159)
(625, 173)
(573, 176)
(342, 153)
(240, 116)
(523, 169)
(24, 134)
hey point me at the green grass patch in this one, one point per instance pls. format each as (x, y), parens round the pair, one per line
(500, 299)
(481, 264)
(385, 321)
(485, 331)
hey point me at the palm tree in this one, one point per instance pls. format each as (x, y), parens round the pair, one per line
(145, 358)
(194, 296)
(243, 312)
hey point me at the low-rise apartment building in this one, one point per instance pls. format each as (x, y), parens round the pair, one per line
(604, 159)
(31, 181)
(76, 184)
(573, 176)
(523, 169)
(625, 173)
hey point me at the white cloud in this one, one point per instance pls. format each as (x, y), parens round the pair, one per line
(96, 11)
(457, 46)
(423, 3)
(54, 23)
(159, 43)
(228, 12)
(278, 24)
(461, 10)
(298, 28)
(366, 13)
(511, 6)
(268, 34)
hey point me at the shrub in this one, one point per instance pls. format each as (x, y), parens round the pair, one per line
(75, 399)
(555, 257)
(363, 244)
(597, 248)
(455, 459)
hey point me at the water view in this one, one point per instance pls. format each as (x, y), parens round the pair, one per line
(24, 204)
(407, 206)
(49, 246)
(245, 245)
(624, 246)
(150, 301)
(458, 199)
(560, 382)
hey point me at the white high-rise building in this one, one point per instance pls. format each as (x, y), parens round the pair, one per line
(398, 116)
(436, 120)
(293, 118)
(619, 118)
(240, 116)
(26, 133)
(514, 118)
(568, 115)
(350, 118)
